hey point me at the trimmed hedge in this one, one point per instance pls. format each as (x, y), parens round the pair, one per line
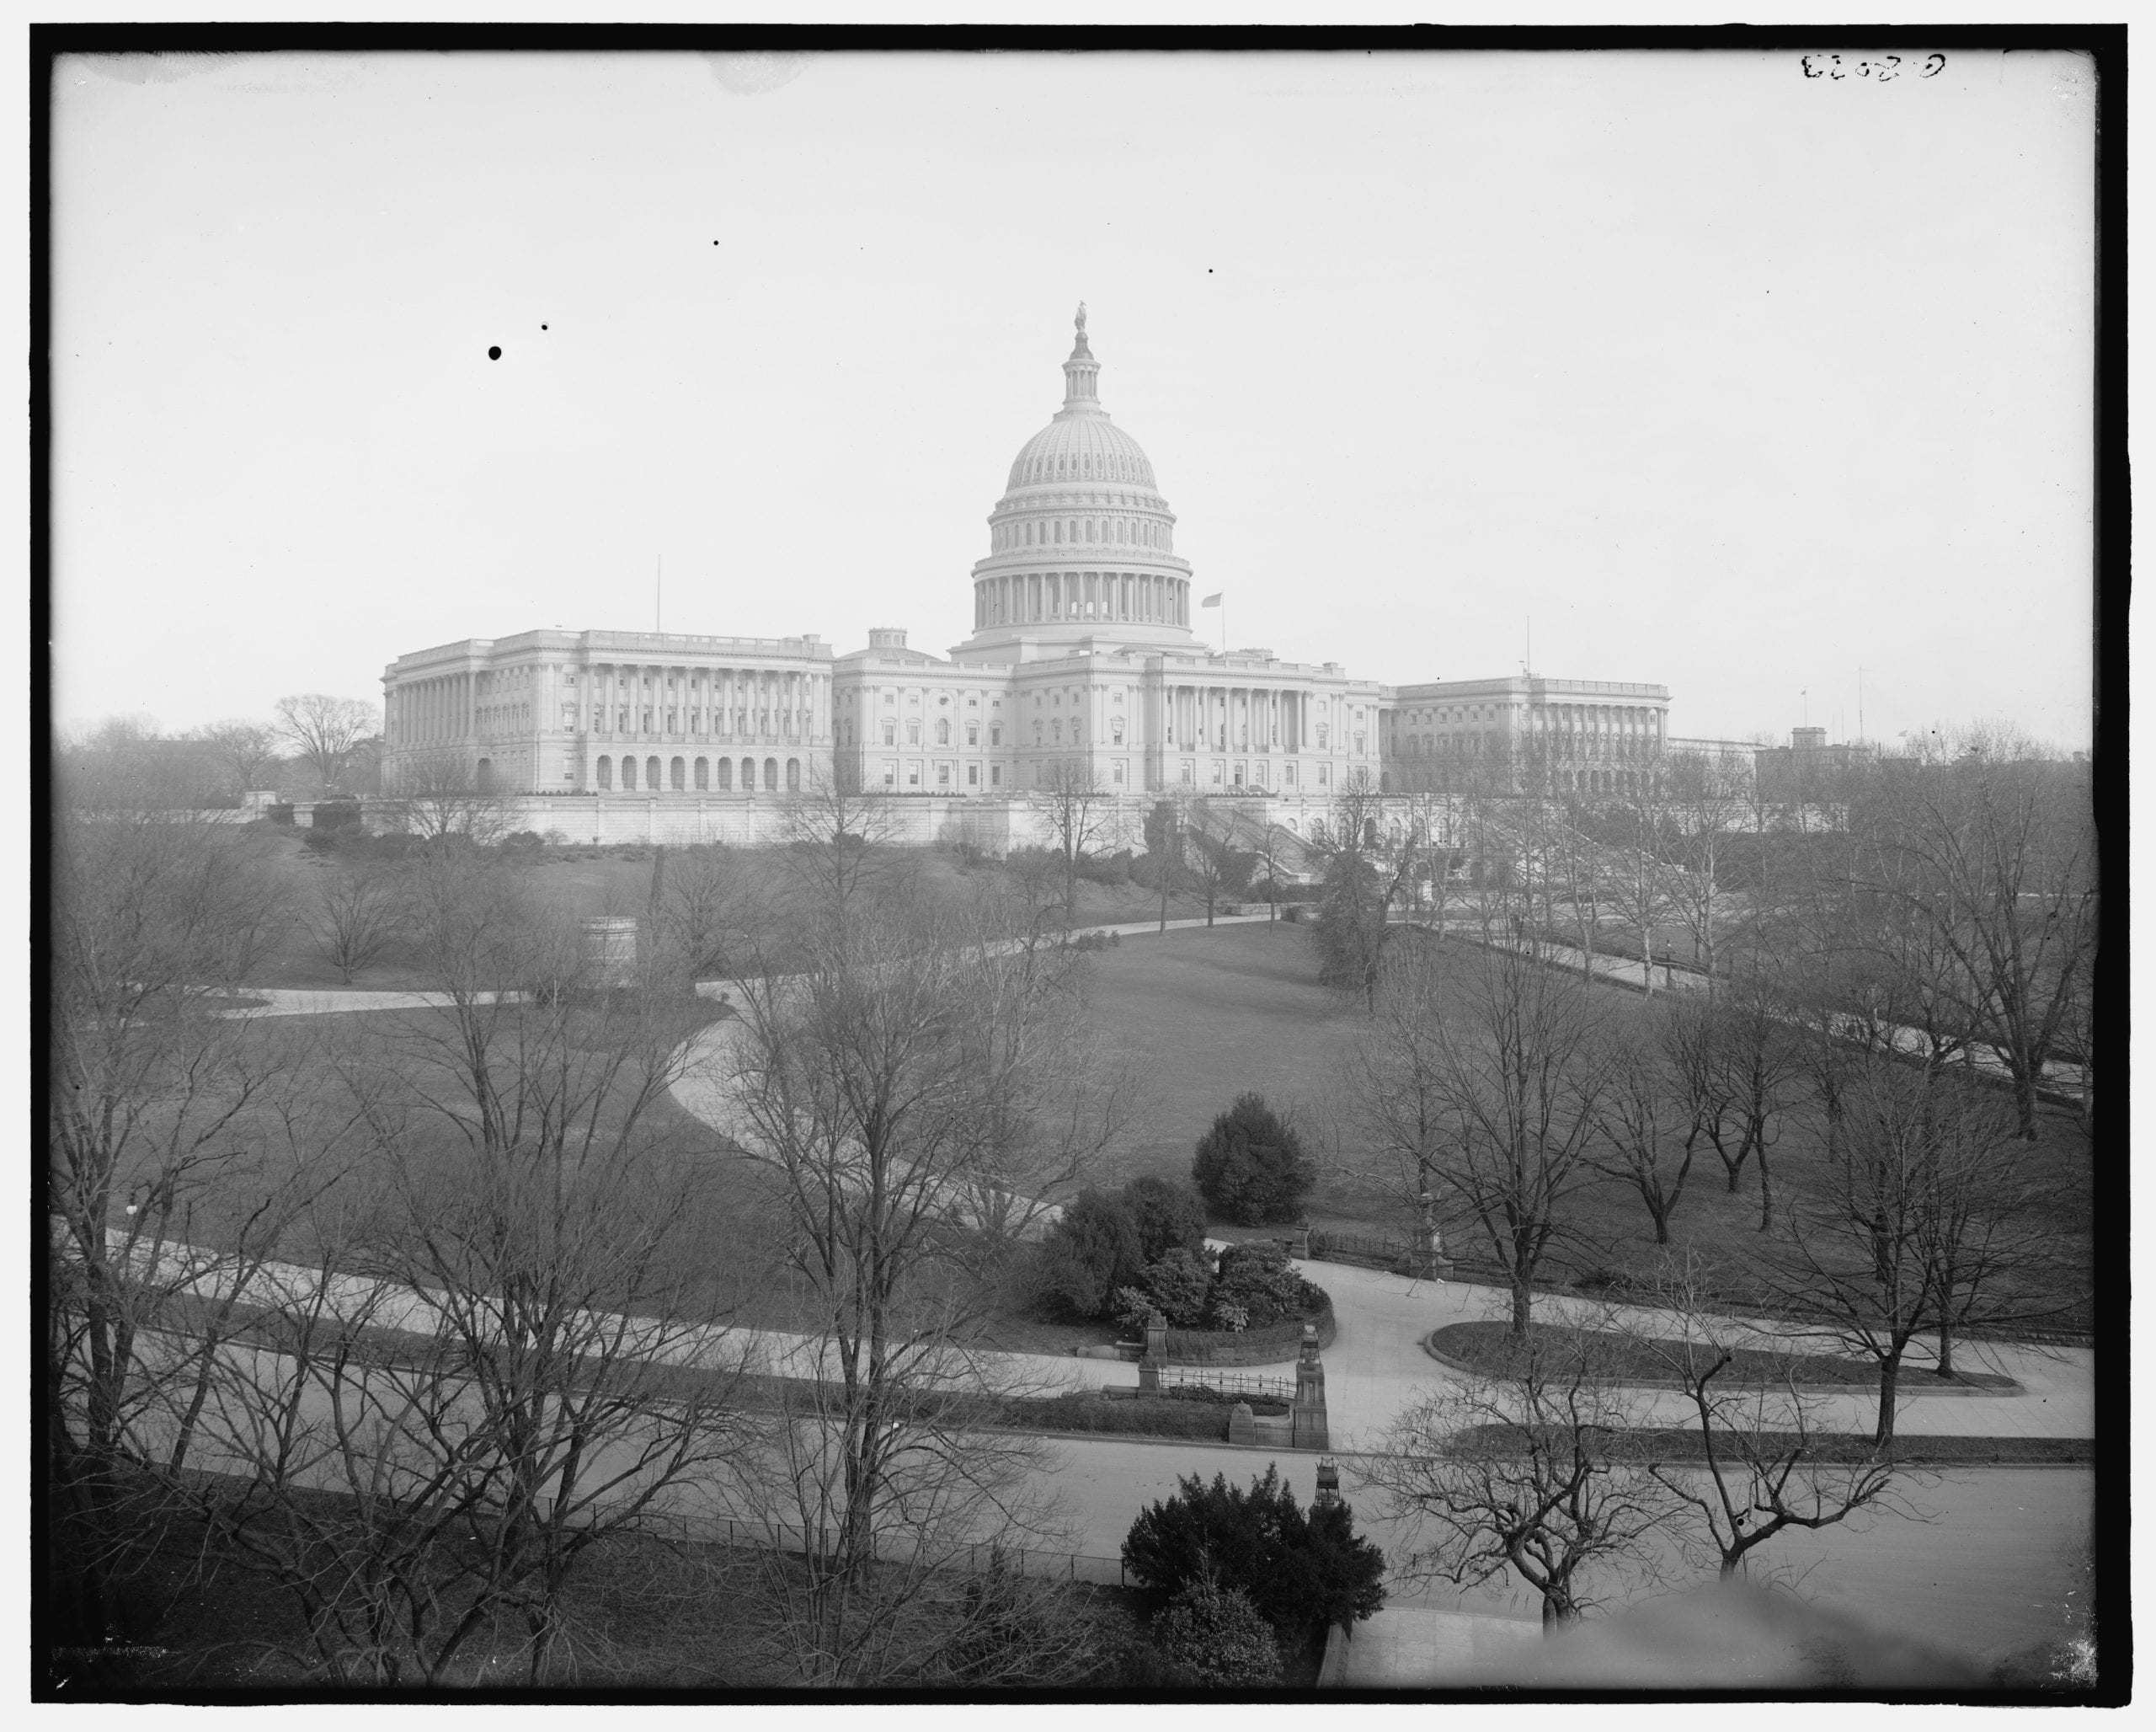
(1251, 1347)
(1168, 1414)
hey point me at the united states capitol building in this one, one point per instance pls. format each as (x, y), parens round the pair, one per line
(1083, 668)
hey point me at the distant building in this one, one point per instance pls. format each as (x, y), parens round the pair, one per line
(1083, 663)
(1807, 768)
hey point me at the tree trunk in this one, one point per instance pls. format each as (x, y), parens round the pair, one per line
(1890, 1372)
(1522, 1302)
(1946, 1347)
(1766, 1193)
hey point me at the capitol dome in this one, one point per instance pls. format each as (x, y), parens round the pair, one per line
(1081, 493)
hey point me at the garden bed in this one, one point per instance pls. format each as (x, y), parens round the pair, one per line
(1269, 1345)
(1490, 1349)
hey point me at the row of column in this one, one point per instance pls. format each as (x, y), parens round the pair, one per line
(744, 703)
(443, 707)
(1026, 597)
(1238, 719)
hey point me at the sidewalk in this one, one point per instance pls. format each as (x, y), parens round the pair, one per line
(1376, 1367)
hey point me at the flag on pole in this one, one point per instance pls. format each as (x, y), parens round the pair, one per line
(1213, 600)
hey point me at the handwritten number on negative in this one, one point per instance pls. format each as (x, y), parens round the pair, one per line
(1879, 70)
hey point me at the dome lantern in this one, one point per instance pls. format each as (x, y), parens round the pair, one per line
(1082, 373)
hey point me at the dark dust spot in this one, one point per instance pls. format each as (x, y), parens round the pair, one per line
(495, 353)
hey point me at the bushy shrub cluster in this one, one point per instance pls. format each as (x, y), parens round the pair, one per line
(1105, 1240)
(1301, 1569)
(1212, 1636)
(1248, 1287)
(1250, 1165)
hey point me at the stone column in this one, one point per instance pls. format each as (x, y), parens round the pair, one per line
(1307, 1416)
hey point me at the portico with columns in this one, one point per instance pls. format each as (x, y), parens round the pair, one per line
(599, 712)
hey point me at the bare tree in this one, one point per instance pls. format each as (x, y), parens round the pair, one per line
(1766, 1461)
(153, 922)
(2002, 842)
(839, 839)
(248, 748)
(1519, 1071)
(440, 801)
(1270, 843)
(1925, 1219)
(324, 730)
(915, 1099)
(1211, 858)
(1523, 1473)
(1646, 1127)
(1706, 797)
(711, 903)
(358, 914)
(502, 1359)
(1636, 879)
(1081, 818)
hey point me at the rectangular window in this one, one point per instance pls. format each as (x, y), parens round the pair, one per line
(995, 775)
(942, 775)
(973, 775)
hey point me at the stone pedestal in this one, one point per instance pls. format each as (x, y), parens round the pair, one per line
(1156, 1352)
(1308, 1414)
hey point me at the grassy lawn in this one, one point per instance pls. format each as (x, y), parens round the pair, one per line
(1216, 1014)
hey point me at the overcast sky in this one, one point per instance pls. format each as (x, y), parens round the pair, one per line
(1732, 379)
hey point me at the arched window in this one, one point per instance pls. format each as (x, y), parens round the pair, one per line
(943, 733)
(770, 775)
(704, 775)
(606, 773)
(651, 774)
(628, 772)
(486, 775)
(748, 775)
(793, 775)
(677, 775)
(725, 775)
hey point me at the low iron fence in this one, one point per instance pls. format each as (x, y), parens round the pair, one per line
(1228, 1383)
